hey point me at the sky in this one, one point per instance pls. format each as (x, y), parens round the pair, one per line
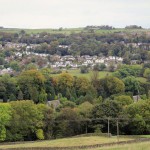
(73, 13)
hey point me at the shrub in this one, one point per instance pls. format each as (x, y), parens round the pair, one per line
(40, 134)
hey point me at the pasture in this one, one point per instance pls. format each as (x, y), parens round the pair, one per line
(76, 72)
(68, 142)
(68, 31)
(82, 141)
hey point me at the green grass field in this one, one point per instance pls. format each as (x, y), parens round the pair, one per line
(137, 146)
(141, 79)
(82, 141)
(77, 73)
(102, 74)
(70, 30)
(67, 142)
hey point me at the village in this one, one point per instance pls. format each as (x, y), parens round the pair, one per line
(24, 53)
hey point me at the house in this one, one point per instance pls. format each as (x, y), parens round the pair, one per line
(63, 46)
(54, 103)
(6, 71)
(98, 61)
(134, 62)
(136, 98)
(1, 46)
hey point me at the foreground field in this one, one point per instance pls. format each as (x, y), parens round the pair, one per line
(67, 142)
(137, 146)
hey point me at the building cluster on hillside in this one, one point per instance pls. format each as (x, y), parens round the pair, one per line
(6, 71)
(56, 61)
(85, 60)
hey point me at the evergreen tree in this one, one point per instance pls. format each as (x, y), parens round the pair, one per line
(20, 95)
(12, 97)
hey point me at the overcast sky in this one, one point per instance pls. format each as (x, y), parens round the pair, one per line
(73, 13)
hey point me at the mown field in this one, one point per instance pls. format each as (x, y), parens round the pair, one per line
(77, 73)
(136, 146)
(101, 74)
(71, 30)
(82, 141)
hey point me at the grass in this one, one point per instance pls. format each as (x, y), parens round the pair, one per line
(66, 142)
(35, 31)
(141, 79)
(77, 73)
(71, 30)
(137, 146)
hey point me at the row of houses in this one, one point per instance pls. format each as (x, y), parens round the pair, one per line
(86, 60)
(6, 71)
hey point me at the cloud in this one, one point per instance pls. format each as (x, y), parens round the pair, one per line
(73, 13)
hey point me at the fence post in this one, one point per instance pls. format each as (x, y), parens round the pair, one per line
(108, 128)
(117, 129)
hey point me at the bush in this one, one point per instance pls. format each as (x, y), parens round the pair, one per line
(84, 69)
(40, 134)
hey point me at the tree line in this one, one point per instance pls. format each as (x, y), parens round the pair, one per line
(26, 116)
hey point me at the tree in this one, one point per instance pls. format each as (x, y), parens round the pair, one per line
(15, 66)
(20, 95)
(109, 86)
(84, 69)
(2, 61)
(102, 66)
(95, 78)
(5, 116)
(22, 32)
(109, 108)
(85, 109)
(8, 87)
(40, 134)
(31, 83)
(68, 120)
(131, 84)
(48, 120)
(42, 96)
(124, 100)
(31, 66)
(65, 83)
(12, 97)
(81, 85)
(147, 74)
(138, 112)
(26, 119)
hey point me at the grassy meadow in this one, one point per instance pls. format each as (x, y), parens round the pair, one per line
(68, 31)
(67, 142)
(76, 72)
(84, 141)
(101, 74)
(136, 146)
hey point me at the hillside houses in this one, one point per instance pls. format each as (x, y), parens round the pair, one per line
(6, 71)
(24, 51)
(86, 60)
(15, 45)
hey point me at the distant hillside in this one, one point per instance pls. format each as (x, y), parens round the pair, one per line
(73, 30)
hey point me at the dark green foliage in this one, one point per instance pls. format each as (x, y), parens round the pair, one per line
(20, 95)
(109, 86)
(26, 119)
(12, 97)
(131, 84)
(127, 70)
(84, 69)
(124, 100)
